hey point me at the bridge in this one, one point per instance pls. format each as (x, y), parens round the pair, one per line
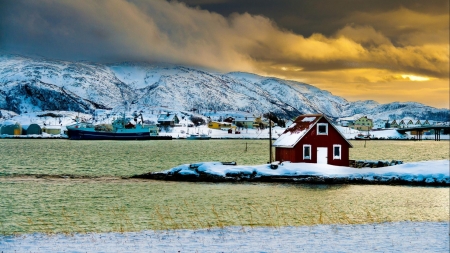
(420, 129)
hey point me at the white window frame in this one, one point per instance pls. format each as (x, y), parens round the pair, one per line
(335, 157)
(326, 128)
(310, 152)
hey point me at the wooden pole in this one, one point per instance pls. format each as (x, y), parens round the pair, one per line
(270, 141)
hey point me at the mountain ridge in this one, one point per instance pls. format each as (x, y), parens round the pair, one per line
(28, 84)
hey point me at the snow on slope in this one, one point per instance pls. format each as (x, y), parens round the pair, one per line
(92, 82)
(26, 84)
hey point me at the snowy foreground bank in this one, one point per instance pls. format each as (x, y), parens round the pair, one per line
(383, 237)
(416, 173)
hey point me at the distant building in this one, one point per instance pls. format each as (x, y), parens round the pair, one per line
(346, 122)
(219, 125)
(260, 123)
(10, 127)
(168, 119)
(54, 130)
(362, 124)
(394, 124)
(380, 124)
(244, 122)
(31, 129)
(229, 120)
(427, 123)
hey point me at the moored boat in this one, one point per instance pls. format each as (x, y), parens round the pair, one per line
(362, 137)
(120, 129)
(198, 137)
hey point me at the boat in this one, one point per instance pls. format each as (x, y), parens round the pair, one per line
(120, 129)
(362, 137)
(198, 137)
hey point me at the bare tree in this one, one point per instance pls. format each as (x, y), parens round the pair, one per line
(197, 120)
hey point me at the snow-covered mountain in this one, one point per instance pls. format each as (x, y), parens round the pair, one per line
(28, 84)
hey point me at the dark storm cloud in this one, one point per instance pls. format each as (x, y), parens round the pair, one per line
(244, 34)
(313, 16)
(72, 29)
(346, 41)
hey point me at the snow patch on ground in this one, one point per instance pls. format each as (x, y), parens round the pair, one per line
(383, 237)
(430, 171)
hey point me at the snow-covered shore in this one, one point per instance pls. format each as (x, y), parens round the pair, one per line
(379, 237)
(419, 173)
(181, 131)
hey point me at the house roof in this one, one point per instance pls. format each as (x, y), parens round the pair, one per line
(166, 117)
(52, 127)
(301, 126)
(245, 119)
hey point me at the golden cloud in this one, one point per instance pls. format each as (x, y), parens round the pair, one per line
(373, 49)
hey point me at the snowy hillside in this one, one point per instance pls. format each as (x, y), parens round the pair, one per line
(28, 85)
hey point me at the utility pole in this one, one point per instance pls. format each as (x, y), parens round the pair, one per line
(270, 140)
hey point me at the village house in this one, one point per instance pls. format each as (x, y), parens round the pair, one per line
(427, 123)
(380, 124)
(31, 129)
(168, 119)
(10, 127)
(362, 124)
(244, 122)
(220, 125)
(260, 123)
(228, 119)
(405, 123)
(313, 139)
(346, 122)
(394, 124)
(53, 129)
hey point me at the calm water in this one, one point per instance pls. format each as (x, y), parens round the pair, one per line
(116, 158)
(99, 200)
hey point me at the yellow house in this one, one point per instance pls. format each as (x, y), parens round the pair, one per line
(11, 128)
(52, 130)
(363, 124)
(259, 123)
(219, 125)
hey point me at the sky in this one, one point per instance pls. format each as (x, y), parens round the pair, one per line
(383, 50)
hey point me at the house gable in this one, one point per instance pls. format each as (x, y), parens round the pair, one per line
(302, 126)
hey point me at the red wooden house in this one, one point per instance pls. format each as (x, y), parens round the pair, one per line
(313, 139)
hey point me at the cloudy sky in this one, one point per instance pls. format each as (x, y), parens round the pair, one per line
(385, 50)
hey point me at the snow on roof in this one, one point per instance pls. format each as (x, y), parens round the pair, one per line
(308, 119)
(221, 122)
(9, 122)
(52, 127)
(295, 132)
(245, 119)
(166, 117)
